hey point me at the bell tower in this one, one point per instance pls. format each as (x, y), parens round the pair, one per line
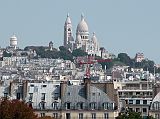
(68, 35)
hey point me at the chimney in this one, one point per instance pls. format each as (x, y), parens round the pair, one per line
(24, 89)
(11, 89)
(87, 84)
(63, 86)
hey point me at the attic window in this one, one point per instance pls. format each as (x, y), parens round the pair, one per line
(69, 93)
(93, 94)
(44, 85)
(31, 85)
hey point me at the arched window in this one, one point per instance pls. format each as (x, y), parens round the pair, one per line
(155, 105)
(68, 105)
(55, 105)
(42, 105)
(105, 105)
(80, 105)
(93, 105)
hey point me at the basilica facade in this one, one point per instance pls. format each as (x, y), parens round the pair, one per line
(82, 40)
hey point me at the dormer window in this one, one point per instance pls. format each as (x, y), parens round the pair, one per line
(43, 96)
(55, 105)
(80, 105)
(93, 105)
(44, 86)
(105, 105)
(42, 105)
(68, 105)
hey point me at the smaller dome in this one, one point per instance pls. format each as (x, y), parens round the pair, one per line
(68, 20)
(94, 38)
(82, 26)
(13, 37)
(13, 41)
(78, 39)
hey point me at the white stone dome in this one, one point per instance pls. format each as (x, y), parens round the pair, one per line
(13, 41)
(82, 26)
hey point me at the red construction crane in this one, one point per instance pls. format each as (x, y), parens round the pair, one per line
(91, 60)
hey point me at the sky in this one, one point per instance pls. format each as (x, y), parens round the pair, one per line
(127, 26)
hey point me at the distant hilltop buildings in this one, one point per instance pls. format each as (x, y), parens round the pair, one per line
(82, 40)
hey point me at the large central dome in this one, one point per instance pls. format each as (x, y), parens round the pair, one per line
(82, 26)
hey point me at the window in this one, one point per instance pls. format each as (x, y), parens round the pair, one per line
(31, 85)
(55, 96)
(5, 95)
(42, 105)
(157, 116)
(93, 94)
(55, 105)
(80, 116)
(80, 105)
(18, 96)
(106, 116)
(43, 96)
(30, 96)
(69, 93)
(144, 109)
(93, 105)
(137, 93)
(144, 101)
(137, 101)
(156, 105)
(68, 116)
(93, 115)
(42, 114)
(130, 109)
(106, 105)
(137, 109)
(68, 105)
(44, 86)
(130, 101)
(55, 115)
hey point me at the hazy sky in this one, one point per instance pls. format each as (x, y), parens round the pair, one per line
(129, 26)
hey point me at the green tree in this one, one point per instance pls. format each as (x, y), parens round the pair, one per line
(130, 115)
(79, 52)
(65, 54)
(124, 58)
(6, 54)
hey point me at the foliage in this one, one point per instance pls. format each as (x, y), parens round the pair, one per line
(130, 115)
(6, 54)
(15, 109)
(124, 58)
(79, 52)
(65, 54)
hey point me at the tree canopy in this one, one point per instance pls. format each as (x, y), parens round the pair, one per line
(132, 115)
(15, 109)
